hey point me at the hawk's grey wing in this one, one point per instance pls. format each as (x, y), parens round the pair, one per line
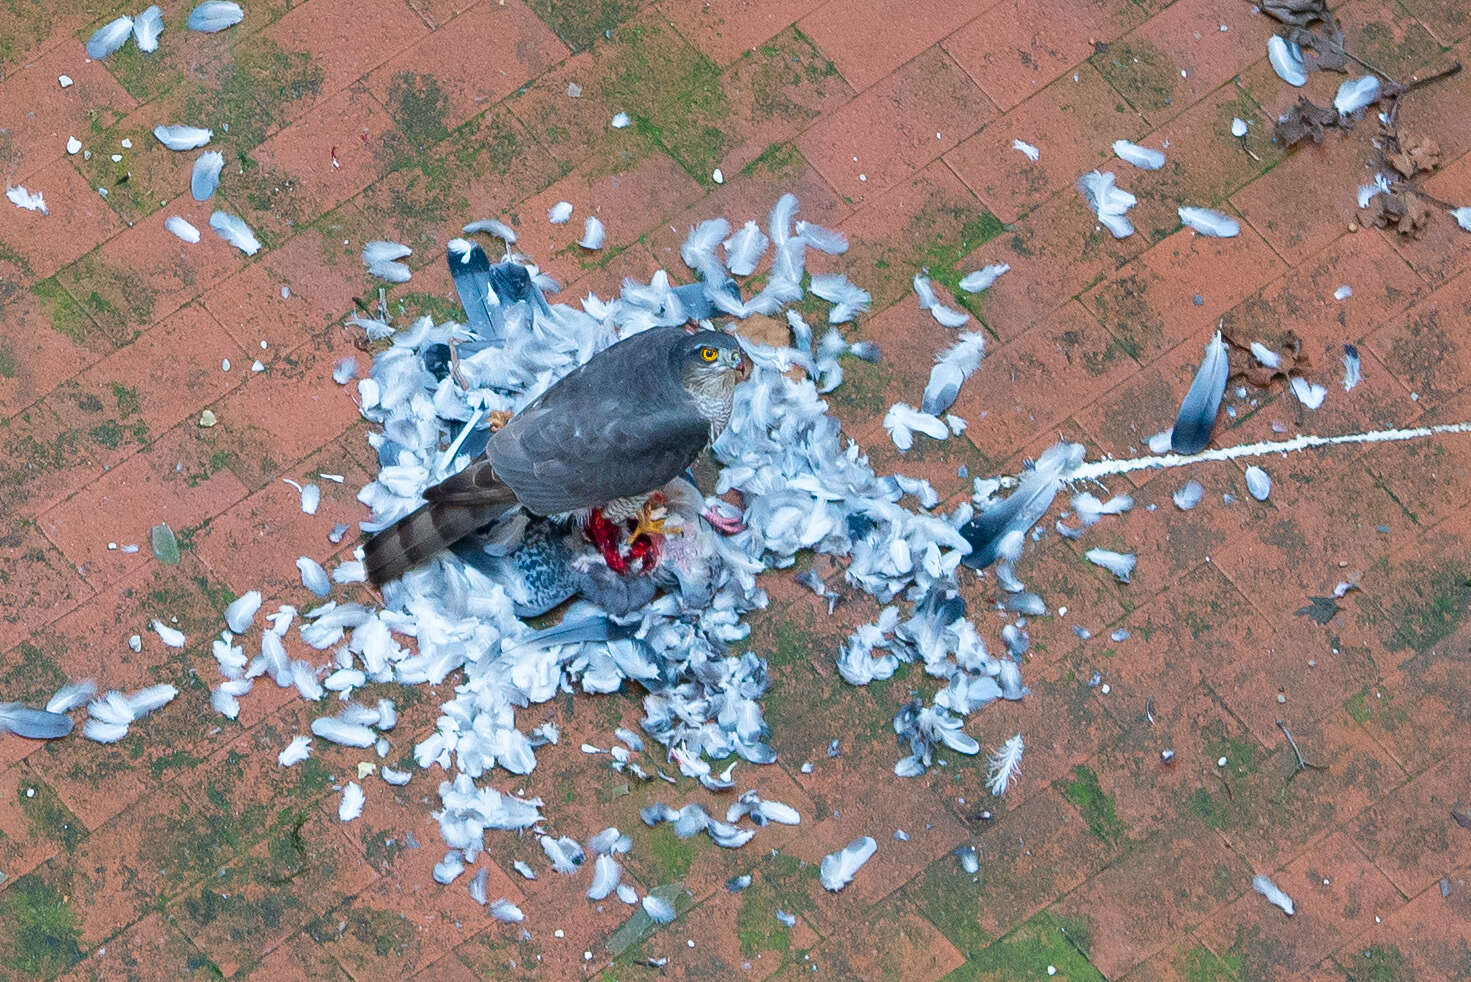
(563, 458)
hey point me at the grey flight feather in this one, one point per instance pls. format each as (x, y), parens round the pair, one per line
(1197, 419)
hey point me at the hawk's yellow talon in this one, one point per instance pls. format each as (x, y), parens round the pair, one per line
(651, 519)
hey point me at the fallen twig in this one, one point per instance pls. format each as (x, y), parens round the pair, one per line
(1302, 764)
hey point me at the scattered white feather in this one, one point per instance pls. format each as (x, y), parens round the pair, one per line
(605, 876)
(1208, 222)
(170, 636)
(240, 615)
(1120, 564)
(29, 200)
(204, 178)
(1343, 292)
(1258, 483)
(298, 750)
(743, 250)
(1264, 886)
(182, 228)
(903, 421)
(660, 911)
(147, 26)
(837, 869)
(179, 137)
(1004, 766)
(951, 370)
(822, 239)
(71, 695)
(492, 226)
(559, 213)
(1189, 496)
(848, 300)
(982, 278)
(340, 731)
(380, 250)
(109, 37)
(1108, 201)
(311, 498)
(235, 232)
(313, 576)
(620, 121)
(504, 910)
(1265, 355)
(1462, 216)
(593, 234)
(1286, 59)
(1238, 126)
(1031, 152)
(1356, 94)
(73, 145)
(1310, 394)
(215, 15)
(351, 805)
(1145, 158)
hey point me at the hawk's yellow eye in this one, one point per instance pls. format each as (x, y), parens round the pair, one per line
(708, 354)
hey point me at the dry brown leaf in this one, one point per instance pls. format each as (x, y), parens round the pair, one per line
(1404, 211)
(1416, 155)
(1253, 372)
(1304, 121)
(1297, 12)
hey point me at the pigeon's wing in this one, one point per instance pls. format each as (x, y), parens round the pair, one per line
(570, 454)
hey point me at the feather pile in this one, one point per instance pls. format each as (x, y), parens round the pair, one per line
(460, 616)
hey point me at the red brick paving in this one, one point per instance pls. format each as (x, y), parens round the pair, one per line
(186, 851)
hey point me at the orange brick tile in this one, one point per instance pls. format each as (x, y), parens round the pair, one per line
(38, 586)
(1337, 895)
(300, 959)
(343, 43)
(40, 351)
(1429, 933)
(1169, 883)
(900, 944)
(296, 178)
(243, 546)
(152, 946)
(172, 481)
(145, 388)
(845, 31)
(1149, 305)
(1308, 200)
(727, 31)
(896, 127)
(628, 204)
(285, 413)
(79, 219)
(1418, 346)
(1071, 122)
(476, 59)
(260, 900)
(490, 163)
(39, 114)
(1013, 51)
(146, 273)
(41, 461)
(1173, 59)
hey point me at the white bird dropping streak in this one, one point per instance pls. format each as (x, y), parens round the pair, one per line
(1093, 470)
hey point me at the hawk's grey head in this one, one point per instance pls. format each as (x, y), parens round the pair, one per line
(710, 364)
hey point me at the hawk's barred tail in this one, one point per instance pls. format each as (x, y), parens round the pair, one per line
(422, 534)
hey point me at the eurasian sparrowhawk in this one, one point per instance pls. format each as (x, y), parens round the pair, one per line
(603, 437)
